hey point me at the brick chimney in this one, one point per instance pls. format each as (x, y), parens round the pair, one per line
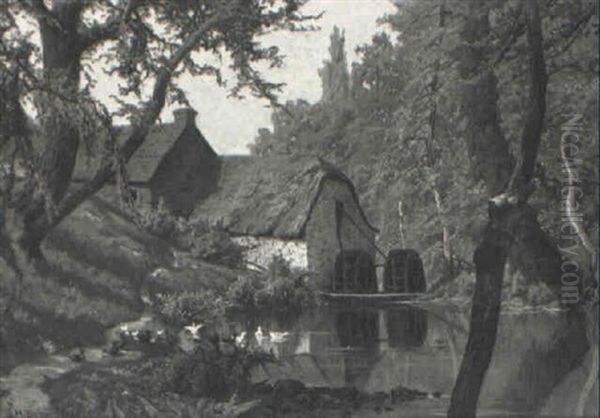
(185, 115)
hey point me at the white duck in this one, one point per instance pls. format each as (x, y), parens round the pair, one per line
(193, 329)
(240, 340)
(278, 337)
(260, 336)
(161, 271)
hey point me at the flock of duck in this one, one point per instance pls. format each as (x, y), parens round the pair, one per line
(242, 339)
(261, 337)
(147, 331)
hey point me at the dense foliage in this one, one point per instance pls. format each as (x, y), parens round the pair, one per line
(52, 54)
(279, 290)
(396, 127)
(204, 242)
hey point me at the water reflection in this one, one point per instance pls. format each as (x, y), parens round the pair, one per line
(406, 327)
(378, 349)
(357, 328)
(400, 328)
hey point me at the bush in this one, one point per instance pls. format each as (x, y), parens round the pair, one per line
(210, 372)
(241, 294)
(157, 387)
(188, 307)
(216, 246)
(280, 289)
(211, 244)
(159, 221)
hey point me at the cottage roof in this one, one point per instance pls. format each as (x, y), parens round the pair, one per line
(268, 196)
(147, 157)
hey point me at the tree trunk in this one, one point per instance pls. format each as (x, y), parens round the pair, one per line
(446, 246)
(62, 67)
(61, 58)
(510, 219)
(490, 258)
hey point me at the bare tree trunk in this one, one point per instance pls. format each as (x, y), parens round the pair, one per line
(508, 213)
(490, 258)
(61, 57)
(446, 246)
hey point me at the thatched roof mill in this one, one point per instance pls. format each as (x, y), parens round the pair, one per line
(269, 196)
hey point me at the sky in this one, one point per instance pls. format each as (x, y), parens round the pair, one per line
(231, 124)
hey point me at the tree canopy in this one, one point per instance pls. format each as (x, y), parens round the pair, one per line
(51, 53)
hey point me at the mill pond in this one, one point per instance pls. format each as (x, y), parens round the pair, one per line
(398, 360)
(414, 346)
(399, 219)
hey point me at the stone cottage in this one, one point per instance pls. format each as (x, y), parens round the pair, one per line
(167, 165)
(301, 208)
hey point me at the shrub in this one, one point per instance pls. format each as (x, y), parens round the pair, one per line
(159, 221)
(210, 372)
(284, 289)
(153, 387)
(241, 294)
(211, 244)
(187, 307)
(216, 246)
(280, 289)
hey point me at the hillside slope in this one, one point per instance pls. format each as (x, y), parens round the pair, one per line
(98, 266)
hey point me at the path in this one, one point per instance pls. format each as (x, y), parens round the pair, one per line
(22, 391)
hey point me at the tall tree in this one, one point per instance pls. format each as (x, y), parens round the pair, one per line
(512, 222)
(335, 79)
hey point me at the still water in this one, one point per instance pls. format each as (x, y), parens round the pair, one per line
(414, 346)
